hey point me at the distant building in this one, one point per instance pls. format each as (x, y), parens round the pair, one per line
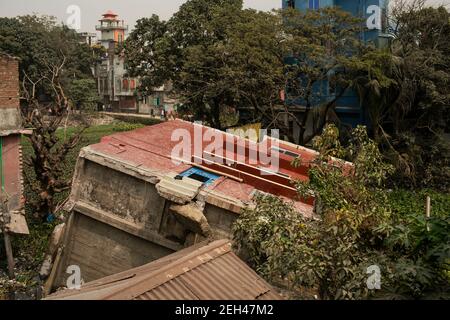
(87, 38)
(348, 107)
(118, 90)
(112, 29)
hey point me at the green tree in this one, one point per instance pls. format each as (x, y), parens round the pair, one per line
(40, 42)
(354, 227)
(406, 91)
(83, 95)
(217, 56)
(55, 73)
(322, 47)
(144, 55)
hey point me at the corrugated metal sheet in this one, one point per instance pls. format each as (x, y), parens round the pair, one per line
(210, 272)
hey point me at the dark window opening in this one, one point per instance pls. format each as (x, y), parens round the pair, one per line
(286, 152)
(198, 177)
(291, 4)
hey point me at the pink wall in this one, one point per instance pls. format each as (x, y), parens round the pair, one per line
(12, 170)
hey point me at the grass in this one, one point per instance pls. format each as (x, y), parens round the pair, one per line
(412, 202)
(30, 250)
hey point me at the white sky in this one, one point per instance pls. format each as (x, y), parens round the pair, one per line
(91, 10)
(129, 10)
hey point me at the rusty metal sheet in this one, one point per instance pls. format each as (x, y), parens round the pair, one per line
(210, 272)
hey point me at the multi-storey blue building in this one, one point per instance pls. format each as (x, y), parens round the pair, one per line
(348, 107)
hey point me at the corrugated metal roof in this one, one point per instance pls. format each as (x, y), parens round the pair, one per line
(208, 272)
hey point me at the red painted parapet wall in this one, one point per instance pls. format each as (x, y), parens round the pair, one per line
(10, 126)
(11, 173)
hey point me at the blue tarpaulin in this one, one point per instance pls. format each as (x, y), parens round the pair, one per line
(198, 174)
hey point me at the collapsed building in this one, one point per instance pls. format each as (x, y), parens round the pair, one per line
(134, 201)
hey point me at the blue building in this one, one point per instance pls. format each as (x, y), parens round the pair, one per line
(348, 107)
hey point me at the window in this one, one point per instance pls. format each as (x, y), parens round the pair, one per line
(125, 86)
(314, 4)
(290, 4)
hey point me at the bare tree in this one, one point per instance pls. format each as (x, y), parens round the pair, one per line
(50, 151)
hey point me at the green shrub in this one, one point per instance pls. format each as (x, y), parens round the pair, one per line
(357, 224)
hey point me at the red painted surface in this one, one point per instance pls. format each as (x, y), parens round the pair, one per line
(12, 171)
(151, 148)
(11, 155)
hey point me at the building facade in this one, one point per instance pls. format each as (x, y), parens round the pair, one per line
(10, 134)
(348, 107)
(117, 89)
(12, 215)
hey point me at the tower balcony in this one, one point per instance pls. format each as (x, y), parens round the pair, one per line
(111, 26)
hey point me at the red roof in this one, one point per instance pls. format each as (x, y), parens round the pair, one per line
(151, 148)
(109, 15)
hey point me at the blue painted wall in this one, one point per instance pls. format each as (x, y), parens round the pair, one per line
(349, 108)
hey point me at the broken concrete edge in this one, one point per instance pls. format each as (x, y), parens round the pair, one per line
(154, 176)
(191, 216)
(17, 223)
(178, 191)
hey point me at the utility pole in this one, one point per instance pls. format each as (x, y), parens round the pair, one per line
(4, 221)
(428, 212)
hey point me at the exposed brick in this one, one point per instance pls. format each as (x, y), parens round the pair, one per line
(9, 82)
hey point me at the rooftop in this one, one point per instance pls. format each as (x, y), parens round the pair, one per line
(150, 149)
(109, 13)
(202, 272)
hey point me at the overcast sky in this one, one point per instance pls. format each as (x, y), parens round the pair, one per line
(129, 10)
(91, 10)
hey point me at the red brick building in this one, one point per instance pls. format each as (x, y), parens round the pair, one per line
(10, 133)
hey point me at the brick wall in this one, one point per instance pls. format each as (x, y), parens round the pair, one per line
(9, 82)
(9, 93)
(10, 120)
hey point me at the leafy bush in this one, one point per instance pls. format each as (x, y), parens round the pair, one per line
(354, 227)
(126, 126)
(137, 120)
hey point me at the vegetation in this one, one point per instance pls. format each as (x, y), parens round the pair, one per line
(30, 250)
(56, 79)
(84, 96)
(221, 57)
(357, 224)
(39, 42)
(49, 150)
(406, 91)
